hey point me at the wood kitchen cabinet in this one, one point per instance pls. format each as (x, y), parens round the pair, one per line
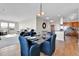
(71, 24)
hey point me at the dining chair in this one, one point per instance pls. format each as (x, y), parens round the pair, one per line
(27, 49)
(34, 50)
(48, 47)
(24, 47)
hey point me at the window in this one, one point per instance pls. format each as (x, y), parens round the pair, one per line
(11, 25)
(4, 25)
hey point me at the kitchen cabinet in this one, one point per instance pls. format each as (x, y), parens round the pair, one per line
(60, 35)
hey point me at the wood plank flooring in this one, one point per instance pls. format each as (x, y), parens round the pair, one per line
(67, 48)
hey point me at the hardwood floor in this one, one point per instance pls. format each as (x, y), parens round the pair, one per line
(59, 51)
(69, 47)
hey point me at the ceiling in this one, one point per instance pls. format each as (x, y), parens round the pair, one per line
(27, 11)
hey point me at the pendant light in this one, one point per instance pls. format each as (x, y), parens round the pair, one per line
(40, 12)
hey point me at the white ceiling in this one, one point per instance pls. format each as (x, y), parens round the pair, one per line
(27, 11)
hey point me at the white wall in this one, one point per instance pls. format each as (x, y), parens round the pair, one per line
(27, 24)
(57, 27)
(39, 22)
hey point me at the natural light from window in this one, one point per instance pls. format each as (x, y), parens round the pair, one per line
(4, 25)
(11, 25)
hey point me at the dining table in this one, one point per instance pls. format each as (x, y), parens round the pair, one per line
(35, 39)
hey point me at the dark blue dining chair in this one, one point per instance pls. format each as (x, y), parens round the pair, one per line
(48, 47)
(34, 50)
(24, 47)
(28, 50)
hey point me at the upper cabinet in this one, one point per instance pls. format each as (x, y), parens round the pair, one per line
(72, 24)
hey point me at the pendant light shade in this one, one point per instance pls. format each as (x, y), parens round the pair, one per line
(40, 11)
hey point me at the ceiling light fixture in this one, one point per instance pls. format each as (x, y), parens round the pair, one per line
(40, 12)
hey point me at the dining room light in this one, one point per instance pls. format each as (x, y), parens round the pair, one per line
(40, 12)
